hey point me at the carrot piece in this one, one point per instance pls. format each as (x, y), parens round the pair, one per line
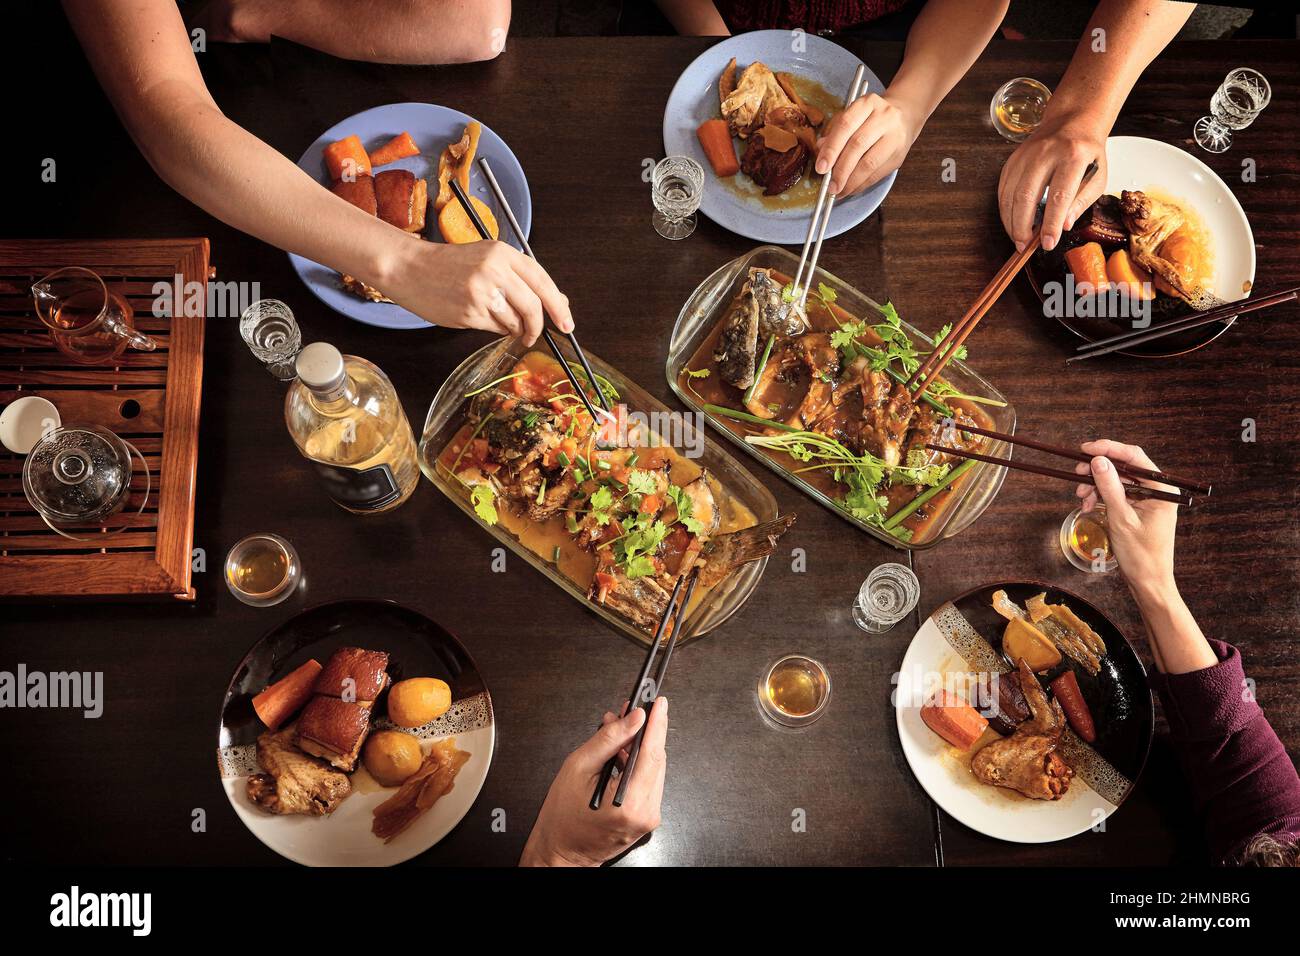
(1066, 689)
(347, 159)
(715, 137)
(1088, 263)
(456, 227)
(1129, 276)
(282, 700)
(400, 146)
(956, 721)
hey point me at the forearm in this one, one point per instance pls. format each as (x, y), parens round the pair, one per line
(1177, 643)
(695, 18)
(240, 180)
(1106, 65)
(947, 37)
(414, 31)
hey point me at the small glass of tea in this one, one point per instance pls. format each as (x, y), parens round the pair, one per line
(1018, 106)
(1085, 541)
(262, 569)
(794, 691)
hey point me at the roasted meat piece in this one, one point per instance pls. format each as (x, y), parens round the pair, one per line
(401, 199)
(334, 729)
(294, 782)
(354, 673)
(774, 171)
(359, 191)
(1103, 222)
(1027, 761)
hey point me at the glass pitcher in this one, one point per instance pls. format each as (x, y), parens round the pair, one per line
(89, 323)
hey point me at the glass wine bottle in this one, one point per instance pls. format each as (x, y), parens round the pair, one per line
(345, 418)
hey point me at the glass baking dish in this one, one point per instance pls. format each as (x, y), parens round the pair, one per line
(448, 412)
(707, 306)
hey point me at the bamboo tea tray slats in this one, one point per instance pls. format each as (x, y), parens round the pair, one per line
(149, 398)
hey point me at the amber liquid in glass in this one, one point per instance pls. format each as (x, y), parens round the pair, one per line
(1089, 536)
(796, 688)
(78, 314)
(261, 567)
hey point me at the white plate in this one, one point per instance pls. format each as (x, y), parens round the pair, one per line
(417, 647)
(947, 778)
(1134, 162)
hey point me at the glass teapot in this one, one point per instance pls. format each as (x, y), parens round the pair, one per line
(79, 476)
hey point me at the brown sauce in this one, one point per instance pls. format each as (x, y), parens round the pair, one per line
(822, 318)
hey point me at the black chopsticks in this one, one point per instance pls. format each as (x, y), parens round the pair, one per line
(504, 205)
(1126, 340)
(554, 346)
(644, 696)
(1131, 472)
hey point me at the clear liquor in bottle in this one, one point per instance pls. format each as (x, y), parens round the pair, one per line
(345, 418)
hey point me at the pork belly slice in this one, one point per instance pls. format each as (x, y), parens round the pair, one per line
(354, 673)
(334, 730)
(360, 192)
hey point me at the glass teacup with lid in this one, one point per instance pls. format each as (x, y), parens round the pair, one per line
(79, 476)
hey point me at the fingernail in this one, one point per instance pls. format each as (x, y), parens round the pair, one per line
(1020, 246)
(822, 166)
(1049, 243)
(1101, 464)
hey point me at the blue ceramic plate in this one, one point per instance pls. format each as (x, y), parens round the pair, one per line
(432, 128)
(736, 206)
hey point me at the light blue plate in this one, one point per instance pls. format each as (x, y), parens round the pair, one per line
(432, 128)
(695, 99)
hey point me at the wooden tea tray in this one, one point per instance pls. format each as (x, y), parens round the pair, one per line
(149, 398)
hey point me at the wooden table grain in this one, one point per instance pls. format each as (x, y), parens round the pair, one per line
(583, 116)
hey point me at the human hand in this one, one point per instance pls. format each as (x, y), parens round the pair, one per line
(475, 285)
(1142, 529)
(867, 141)
(568, 832)
(1054, 158)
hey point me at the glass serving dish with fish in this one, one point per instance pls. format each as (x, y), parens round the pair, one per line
(815, 390)
(611, 511)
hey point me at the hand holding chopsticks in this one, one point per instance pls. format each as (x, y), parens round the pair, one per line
(1132, 473)
(821, 214)
(481, 228)
(646, 690)
(944, 351)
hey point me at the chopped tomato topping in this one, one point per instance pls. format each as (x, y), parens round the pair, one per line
(651, 505)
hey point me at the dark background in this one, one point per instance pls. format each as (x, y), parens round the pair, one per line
(582, 114)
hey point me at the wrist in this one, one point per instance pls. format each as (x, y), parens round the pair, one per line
(537, 854)
(386, 261)
(1154, 595)
(914, 101)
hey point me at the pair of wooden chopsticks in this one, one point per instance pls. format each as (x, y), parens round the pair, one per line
(553, 345)
(1127, 340)
(821, 214)
(1133, 473)
(643, 695)
(935, 362)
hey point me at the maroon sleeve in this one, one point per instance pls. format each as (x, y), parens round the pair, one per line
(1242, 781)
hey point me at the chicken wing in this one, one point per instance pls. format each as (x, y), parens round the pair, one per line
(1027, 761)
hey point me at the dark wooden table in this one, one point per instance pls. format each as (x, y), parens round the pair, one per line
(583, 115)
